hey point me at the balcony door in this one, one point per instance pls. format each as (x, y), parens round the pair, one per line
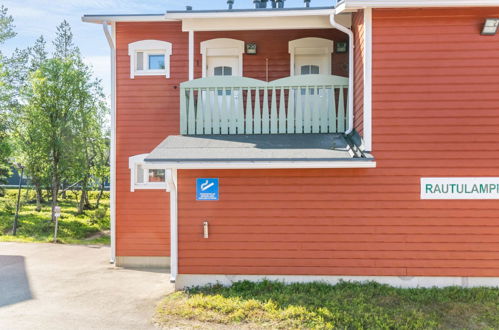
(222, 66)
(311, 56)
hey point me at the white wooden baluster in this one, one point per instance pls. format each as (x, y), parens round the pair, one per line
(240, 112)
(183, 111)
(199, 113)
(273, 112)
(299, 112)
(291, 111)
(216, 113)
(249, 113)
(341, 112)
(191, 115)
(333, 128)
(224, 118)
(324, 109)
(258, 115)
(232, 113)
(307, 115)
(265, 113)
(282, 112)
(207, 112)
(315, 110)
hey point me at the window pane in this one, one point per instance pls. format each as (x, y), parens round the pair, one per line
(227, 71)
(156, 62)
(140, 174)
(219, 71)
(156, 175)
(314, 69)
(140, 61)
(305, 69)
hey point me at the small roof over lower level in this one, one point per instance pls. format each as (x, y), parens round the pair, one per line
(261, 151)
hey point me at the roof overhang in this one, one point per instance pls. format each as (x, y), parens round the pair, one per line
(353, 5)
(100, 19)
(267, 151)
(237, 19)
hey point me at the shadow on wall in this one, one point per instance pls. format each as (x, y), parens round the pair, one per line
(14, 283)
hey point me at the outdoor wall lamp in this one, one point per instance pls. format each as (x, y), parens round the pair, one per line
(490, 27)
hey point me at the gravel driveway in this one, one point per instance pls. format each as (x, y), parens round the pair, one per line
(47, 286)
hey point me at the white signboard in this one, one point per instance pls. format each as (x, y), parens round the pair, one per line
(459, 188)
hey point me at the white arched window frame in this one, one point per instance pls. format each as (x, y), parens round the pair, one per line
(222, 47)
(311, 46)
(142, 51)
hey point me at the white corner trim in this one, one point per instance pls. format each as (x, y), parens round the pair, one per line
(111, 38)
(222, 47)
(173, 183)
(189, 280)
(149, 46)
(368, 42)
(310, 46)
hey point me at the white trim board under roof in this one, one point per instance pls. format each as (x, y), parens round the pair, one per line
(352, 5)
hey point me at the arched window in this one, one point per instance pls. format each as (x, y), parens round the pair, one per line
(310, 56)
(222, 57)
(149, 58)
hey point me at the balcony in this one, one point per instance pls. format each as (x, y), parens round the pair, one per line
(238, 105)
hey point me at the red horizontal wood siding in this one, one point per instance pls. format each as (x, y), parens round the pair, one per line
(148, 112)
(272, 46)
(435, 113)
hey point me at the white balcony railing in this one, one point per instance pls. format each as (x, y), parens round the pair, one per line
(239, 105)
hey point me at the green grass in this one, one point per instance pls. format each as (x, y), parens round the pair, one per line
(346, 305)
(87, 228)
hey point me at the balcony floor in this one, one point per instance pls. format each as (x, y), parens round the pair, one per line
(254, 149)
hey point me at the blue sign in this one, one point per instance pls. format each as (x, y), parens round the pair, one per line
(207, 189)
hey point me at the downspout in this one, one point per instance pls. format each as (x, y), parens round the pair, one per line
(172, 185)
(349, 32)
(111, 39)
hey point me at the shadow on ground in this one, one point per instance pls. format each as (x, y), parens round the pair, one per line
(14, 282)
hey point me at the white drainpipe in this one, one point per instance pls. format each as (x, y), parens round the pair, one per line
(349, 32)
(172, 185)
(111, 39)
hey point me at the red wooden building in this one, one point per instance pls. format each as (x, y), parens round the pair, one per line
(358, 142)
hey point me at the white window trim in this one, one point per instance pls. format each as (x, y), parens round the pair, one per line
(222, 47)
(310, 46)
(149, 47)
(139, 160)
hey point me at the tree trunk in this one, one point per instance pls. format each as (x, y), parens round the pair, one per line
(101, 192)
(39, 196)
(84, 196)
(55, 188)
(63, 194)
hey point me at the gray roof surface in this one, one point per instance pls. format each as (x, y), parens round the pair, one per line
(266, 147)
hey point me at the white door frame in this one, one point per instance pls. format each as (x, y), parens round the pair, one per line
(222, 47)
(311, 46)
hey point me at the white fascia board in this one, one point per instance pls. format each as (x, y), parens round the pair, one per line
(359, 4)
(249, 13)
(99, 19)
(265, 165)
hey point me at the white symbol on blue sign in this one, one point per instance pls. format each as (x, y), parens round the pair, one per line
(207, 189)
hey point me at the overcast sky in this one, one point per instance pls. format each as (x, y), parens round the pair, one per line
(33, 18)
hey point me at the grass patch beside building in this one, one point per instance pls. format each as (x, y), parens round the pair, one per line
(91, 227)
(270, 304)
